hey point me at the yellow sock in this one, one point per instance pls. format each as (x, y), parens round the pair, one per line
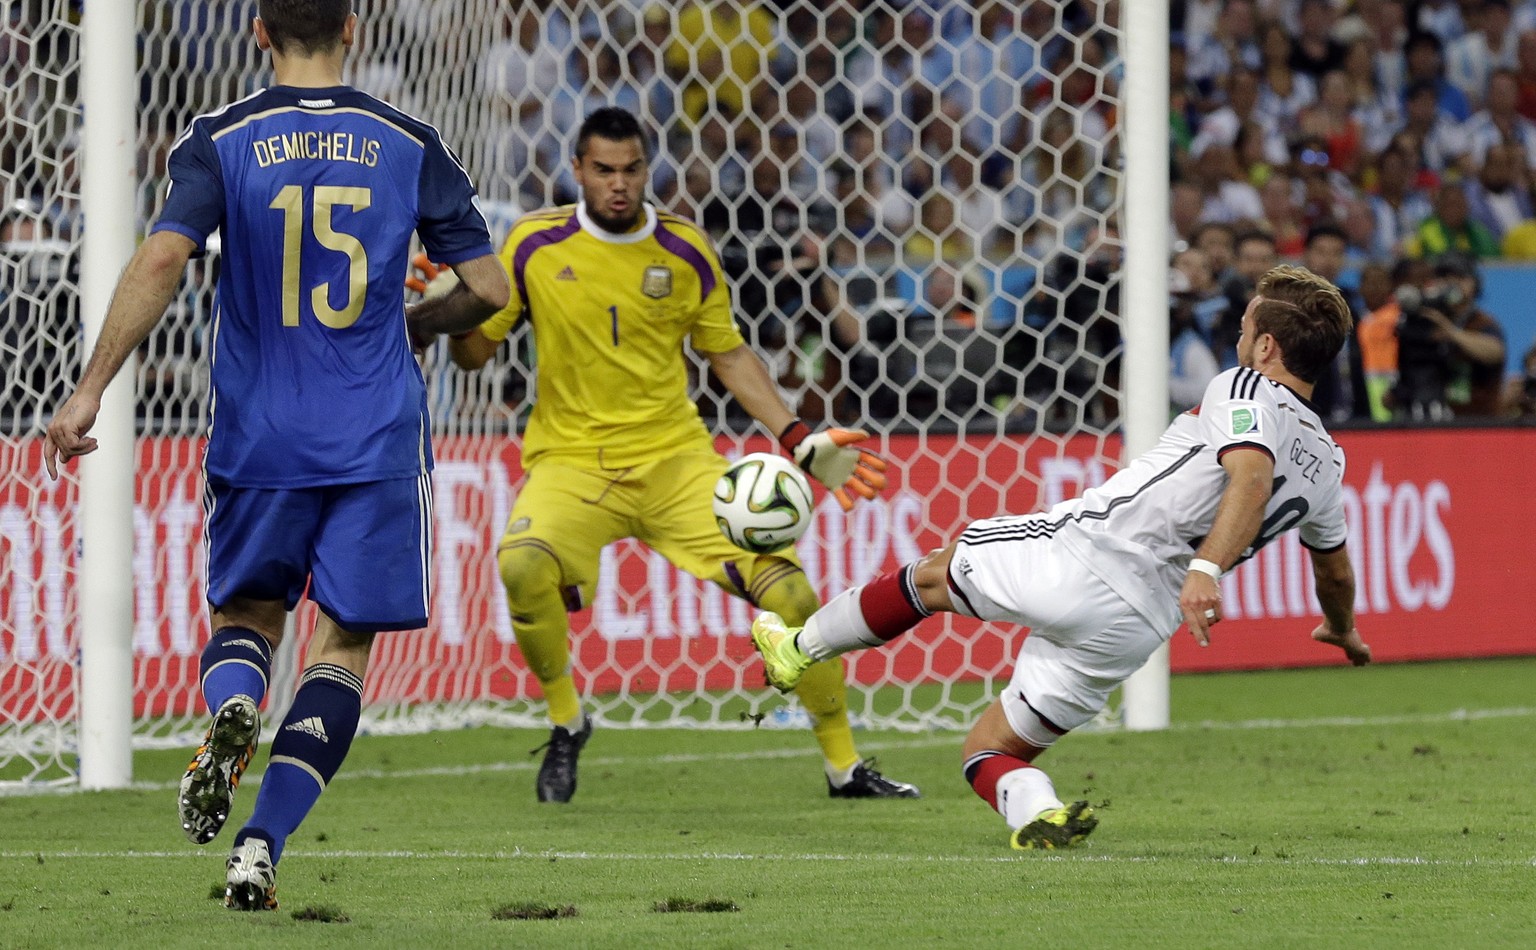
(821, 691)
(564, 704)
(825, 696)
(532, 579)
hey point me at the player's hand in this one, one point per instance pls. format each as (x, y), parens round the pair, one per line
(832, 457)
(1200, 602)
(429, 279)
(1358, 651)
(67, 432)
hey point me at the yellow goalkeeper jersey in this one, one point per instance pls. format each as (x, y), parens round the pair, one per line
(610, 313)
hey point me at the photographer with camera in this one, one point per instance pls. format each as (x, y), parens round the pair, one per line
(1450, 352)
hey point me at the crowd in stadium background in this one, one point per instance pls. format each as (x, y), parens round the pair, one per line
(965, 153)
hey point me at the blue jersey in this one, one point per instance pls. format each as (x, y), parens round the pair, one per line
(316, 193)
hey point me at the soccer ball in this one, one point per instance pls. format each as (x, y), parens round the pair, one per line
(763, 503)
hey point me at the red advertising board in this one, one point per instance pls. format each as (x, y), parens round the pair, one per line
(1438, 520)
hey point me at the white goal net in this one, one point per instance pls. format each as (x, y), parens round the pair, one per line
(918, 207)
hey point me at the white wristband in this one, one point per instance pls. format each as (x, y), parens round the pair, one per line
(1206, 567)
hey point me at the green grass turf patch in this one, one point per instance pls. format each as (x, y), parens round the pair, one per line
(1389, 807)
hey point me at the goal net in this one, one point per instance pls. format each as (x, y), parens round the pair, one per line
(918, 208)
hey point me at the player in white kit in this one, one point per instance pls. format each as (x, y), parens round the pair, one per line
(1104, 579)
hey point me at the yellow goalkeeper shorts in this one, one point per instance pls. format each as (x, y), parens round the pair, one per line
(574, 512)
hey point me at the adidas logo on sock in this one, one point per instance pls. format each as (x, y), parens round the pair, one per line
(313, 725)
(566, 274)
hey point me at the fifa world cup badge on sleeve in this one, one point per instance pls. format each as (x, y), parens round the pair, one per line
(1243, 420)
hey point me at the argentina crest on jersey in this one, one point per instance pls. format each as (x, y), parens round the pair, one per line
(657, 281)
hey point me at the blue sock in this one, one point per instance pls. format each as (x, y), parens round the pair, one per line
(235, 662)
(306, 752)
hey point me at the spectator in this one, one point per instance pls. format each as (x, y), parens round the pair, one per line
(39, 319)
(1315, 52)
(993, 61)
(1185, 202)
(1321, 193)
(885, 70)
(1075, 373)
(803, 108)
(1519, 242)
(1450, 352)
(1222, 126)
(1520, 395)
(980, 207)
(1068, 185)
(1230, 47)
(1385, 24)
(947, 297)
(1335, 395)
(1440, 19)
(1191, 364)
(1185, 101)
(1438, 139)
(648, 70)
(1499, 123)
(1377, 333)
(1200, 295)
(1397, 209)
(1377, 110)
(1229, 197)
(1332, 119)
(1218, 242)
(1425, 65)
(1488, 44)
(1284, 92)
(518, 75)
(938, 235)
(720, 54)
(1282, 215)
(1451, 228)
(1254, 254)
(1525, 74)
(1253, 154)
(1499, 198)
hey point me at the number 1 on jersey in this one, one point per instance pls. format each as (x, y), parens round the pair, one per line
(290, 201)
(613, 312)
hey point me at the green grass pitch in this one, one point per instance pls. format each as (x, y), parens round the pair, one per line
(1392, 806)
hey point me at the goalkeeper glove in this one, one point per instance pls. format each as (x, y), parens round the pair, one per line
(830, 457)
(429, 279)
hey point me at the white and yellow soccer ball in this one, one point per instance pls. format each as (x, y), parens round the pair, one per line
(763, 503)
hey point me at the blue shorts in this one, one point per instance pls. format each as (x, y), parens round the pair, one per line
(365, 550)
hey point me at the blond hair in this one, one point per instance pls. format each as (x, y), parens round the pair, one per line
(1307, 316)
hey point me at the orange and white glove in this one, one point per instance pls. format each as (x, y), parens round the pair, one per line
(429, 279)
(832, 458)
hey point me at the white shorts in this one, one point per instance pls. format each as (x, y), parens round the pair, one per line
(1084, 638)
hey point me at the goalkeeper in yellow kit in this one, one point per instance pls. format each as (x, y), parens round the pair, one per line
(616, 449)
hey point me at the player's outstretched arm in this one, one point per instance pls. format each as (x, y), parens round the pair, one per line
(143, 292)
(1239, 516)
(1335, 577)
(481, 291)
(830, 456)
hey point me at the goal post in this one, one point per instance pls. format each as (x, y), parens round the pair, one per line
(105, 525)
(1145, 696)
(963, 190)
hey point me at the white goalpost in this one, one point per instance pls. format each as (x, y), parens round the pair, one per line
(1024, 175)
(105, 525)
(1145, 701)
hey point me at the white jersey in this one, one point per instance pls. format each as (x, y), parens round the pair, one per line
(1139, 530)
